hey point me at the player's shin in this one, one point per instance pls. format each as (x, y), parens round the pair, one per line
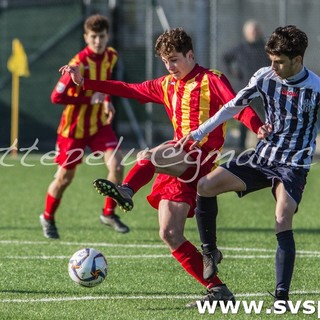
(206, 215)
(285, 258)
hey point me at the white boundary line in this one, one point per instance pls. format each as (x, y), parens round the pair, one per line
(127, 245)
(83, 244)
(141, 297)
(154, 256)
(137, 256)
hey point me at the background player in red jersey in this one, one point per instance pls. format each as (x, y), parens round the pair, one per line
(191, 94)
(85, 122)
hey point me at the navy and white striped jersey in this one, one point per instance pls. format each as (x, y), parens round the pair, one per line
(291, 107)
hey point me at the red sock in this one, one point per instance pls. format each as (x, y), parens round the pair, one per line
(51, 207)
(109, 206)
(141, 173)
(191, 260)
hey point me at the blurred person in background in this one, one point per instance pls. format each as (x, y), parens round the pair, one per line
(242, 60)
(85, 122)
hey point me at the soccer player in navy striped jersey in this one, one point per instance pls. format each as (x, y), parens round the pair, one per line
(282, 158)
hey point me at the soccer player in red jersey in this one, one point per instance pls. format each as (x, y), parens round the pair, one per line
(191, 94)
(85, 122)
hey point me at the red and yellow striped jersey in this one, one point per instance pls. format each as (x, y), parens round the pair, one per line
(80, 118)
(189, 102)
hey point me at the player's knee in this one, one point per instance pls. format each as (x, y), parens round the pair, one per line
(200, 186)
(204, 187)
(168, 235)
(283, 223)
(116, 170)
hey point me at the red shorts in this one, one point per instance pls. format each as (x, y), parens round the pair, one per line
(71, 151)
(171, 188)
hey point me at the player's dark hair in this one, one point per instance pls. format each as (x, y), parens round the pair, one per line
(175, 39)
(288, 40)
(96, 23)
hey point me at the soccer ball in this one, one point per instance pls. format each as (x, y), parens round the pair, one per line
(88, 267)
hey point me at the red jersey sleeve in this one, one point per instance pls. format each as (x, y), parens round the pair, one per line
(147, 91)
(60, 94)
(247, 116)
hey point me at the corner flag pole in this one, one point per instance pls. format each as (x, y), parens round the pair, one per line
(18, 66)
(14, 113)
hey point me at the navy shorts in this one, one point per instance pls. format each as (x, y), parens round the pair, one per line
(258, 174)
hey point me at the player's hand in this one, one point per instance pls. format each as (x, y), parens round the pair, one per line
(97, 97)
(184, 140)
(264, 131)
(109, 110)
(74, 72)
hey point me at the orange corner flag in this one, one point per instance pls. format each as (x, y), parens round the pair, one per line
(18, 62)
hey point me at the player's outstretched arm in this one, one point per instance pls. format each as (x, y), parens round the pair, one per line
(74, 72)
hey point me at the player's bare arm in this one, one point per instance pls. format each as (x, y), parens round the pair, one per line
(109, 110)
(97, 97)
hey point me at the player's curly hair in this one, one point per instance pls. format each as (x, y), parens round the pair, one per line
(288, 40)
(96, 23)
(175, 39)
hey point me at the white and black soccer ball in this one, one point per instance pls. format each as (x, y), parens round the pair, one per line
(88, 267)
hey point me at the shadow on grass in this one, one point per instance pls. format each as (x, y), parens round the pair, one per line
(156, 229)
(108, 293)
(167, 308)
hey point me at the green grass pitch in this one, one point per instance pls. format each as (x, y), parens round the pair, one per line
(144, 281)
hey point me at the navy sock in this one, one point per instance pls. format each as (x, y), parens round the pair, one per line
(206, 215)
(285, 257)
